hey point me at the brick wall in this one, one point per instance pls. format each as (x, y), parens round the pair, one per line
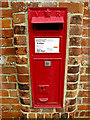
(15, 73)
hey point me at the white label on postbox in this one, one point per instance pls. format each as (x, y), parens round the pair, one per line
(47, 45)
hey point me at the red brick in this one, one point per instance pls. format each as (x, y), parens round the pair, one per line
(3, 4)
(10, 114)
(76, 114)
(24, 94)
(3, 78)
(18, 18)
(49, 4)
(83, 107)
(6, 33)
(23, 78)
(11, 60)
(81, 70)
(85, 12)
(86, 100)
(82, 113)
(85, 22)
(3, 93)
(84, 60)
(55, 115)
(48, 115)
(84, 42)
(15, 107)
(20, 40)
(85, 32)
(87, 70)
(87, 113)
(6, 13)
(79, 100)
(6, 107)
(26, 102)
(71, 108)
(85, 4)
(73, 7)
(22, 70)
(12, 78)
(5, 23)
(21, 51)
(73, 61)
(47, 110)
(84, 94)
(13, 93)
(32, 115)
(85, 78)
(76, 19)
(21, 60)
(73, 69)
(10, 101)
(84, 51)
(6, 42)
(8, 86)
(71, 86)
(7, 70)
(86, 86)
(8, 51)
(72, 78)
(71, 94)
(75, 30)
(74, 51)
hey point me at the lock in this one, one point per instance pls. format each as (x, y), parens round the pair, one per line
(43, 88)
(47, 63)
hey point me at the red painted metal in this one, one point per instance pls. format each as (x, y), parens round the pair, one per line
(47, 69)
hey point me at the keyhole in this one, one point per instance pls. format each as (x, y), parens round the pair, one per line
(41, 88)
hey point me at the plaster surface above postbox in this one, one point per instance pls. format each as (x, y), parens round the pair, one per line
(47, 47)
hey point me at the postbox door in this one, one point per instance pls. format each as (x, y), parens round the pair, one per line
(47, 81)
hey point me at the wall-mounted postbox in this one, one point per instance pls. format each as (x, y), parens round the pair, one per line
(47, 46)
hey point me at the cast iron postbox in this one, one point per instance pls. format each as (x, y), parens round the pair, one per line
(47, 46)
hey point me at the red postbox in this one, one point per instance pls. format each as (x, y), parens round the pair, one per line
(47, 46)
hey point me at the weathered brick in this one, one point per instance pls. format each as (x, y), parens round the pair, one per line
(5, 13)
(71, 94)
(82, 113)
(32, 4)
(7, 70)
(23, 86)
(10, 114)
(76, 114)
(84, 60)
(84, 94)
(71, 108)
(6, 42)
(79, 100)
(13, 93)
(3, 93)
(24, 94)
(6, 33)
(83, 107)
(32, 115)
(86, 86)
(3, 4)
(86, 100)
(39, 116)
(73, 7)
(47, 110)
(3, 78)
(72, 78)
(21, 50)
(59, 110)
(86, 12)
(84, 42)
(87, 113)
(85, 78)
(73, 69)
(11, 60)
(75, 30)
(6, 107)
(85, 22)
(18, 18)
(25, 101)
(85, 32)
(75, 41)
(12, 78)
(55, 115)
(71, 86)
(10, 101)
(16, 107)
(8, 51)
(5, 23)
(49, 4)
(19, 30)
(76, 19)
(20, 40)
(84, 51)
(81, 70)
(85, 4)
(35, 110)
(23, 78)
(73, 60)
(8, 86)
(21, 60)
(74, 51)
(22, 70)
(87, 70)
(71, 115)
(64, 115)
(25, 108)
